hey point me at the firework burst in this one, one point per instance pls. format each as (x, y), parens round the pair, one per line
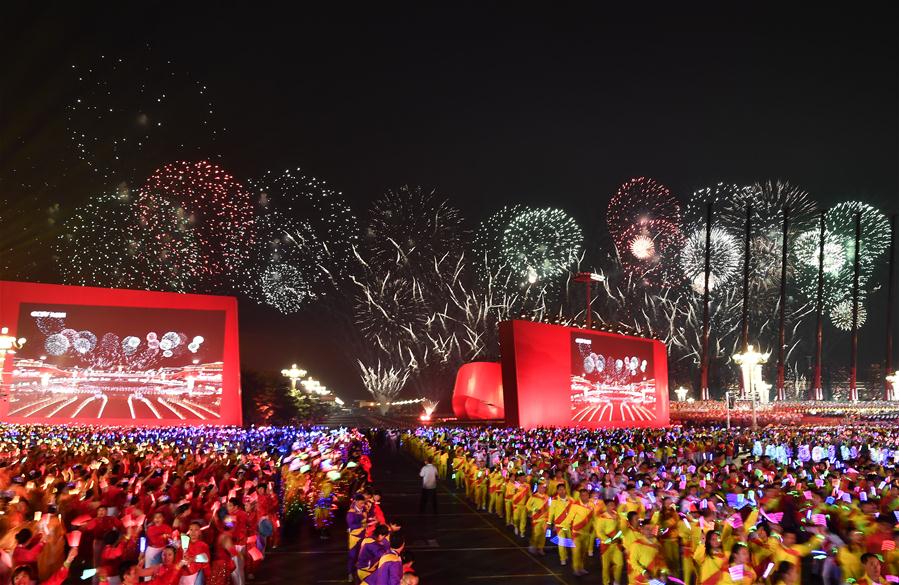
(637, 200)
(541, 244)
(841, 314)
(409, 227)
(839, 252)
(383, 381)
(390, 309)
(282, 286)
(105, 243)
(768, 202)
(649, 249)
(720, 196)
(807, 250)
(96, 246)
(301, 220)
(166, 248)
(724, 258)
(644, 222)
(487, 244)
(217, 208)
(286, 256)
(875, 230)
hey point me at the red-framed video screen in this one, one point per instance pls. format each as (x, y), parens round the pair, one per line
(119, 357)
(564, 376)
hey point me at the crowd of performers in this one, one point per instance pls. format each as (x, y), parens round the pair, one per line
(781, 506)
(377, 548)
(185, 505)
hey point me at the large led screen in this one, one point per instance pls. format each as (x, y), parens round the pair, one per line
(563, 376)
(613, 380)
(123, 357)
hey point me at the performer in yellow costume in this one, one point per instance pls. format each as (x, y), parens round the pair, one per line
(558, 513)
(538, 510)
(579, 525)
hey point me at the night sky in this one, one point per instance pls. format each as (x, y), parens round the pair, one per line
(490, 109)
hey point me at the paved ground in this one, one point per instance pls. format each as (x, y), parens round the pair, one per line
(461, 545)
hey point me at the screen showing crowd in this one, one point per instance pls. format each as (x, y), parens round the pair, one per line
(112, 363)
(612, 380)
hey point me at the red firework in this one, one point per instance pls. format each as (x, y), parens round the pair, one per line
(648, 247)
(640, 199)
(643, 219)
(218, 211)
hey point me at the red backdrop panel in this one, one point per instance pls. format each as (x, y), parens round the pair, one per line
(565, 376)
(478, 394)
(119, 357)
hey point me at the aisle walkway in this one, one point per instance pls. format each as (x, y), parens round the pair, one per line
(460, 545)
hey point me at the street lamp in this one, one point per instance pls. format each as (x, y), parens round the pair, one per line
(294, 373)
(681, 393)
(313, 385)
(750, 362)
(587, 278)
(894, 381)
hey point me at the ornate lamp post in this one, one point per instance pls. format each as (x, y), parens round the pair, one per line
(312, 385)
(293, 373)
(750, 362)
(893, 379)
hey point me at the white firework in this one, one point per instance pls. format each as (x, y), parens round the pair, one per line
(841, 314)
(487, 242)
(839, 251)
(724, 258)
(383, 382)
(808, 251)
(642, 247)
(545, 242)
(283, 287)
